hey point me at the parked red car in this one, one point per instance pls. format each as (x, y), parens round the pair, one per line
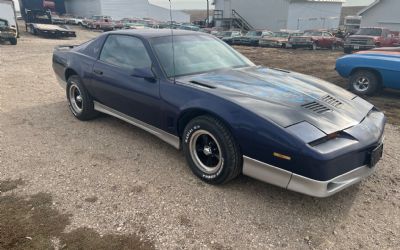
(369, 38)
(100, 23)
(315, 39)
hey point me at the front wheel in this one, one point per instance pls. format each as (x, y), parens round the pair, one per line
(211, 150)
(79, 101)
(364, 82)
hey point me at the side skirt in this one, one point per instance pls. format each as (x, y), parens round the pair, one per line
(167, 137)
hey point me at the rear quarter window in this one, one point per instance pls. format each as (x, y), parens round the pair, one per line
(93, 47)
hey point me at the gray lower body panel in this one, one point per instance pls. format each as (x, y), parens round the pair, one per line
(282, 178)
(169, 138)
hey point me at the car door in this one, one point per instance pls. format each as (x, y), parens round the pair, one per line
(114, 84)
(328, 40)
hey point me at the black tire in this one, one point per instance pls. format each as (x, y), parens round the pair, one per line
(13, 41)
(84, 109)
(364, 82)
(220, 141)
(348, 50)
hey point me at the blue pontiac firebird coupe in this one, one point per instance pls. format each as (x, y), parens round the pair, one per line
(226, 114)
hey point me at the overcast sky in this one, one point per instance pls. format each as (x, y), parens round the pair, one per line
(201, 4)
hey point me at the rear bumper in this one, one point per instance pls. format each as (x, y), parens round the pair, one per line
(291, 181)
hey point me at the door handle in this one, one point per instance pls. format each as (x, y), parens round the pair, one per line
(98, 72)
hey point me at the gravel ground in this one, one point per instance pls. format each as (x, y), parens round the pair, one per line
(119, 180)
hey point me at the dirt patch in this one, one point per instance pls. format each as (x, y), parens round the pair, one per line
(322, 65)
(91, 199)
(32, 223)
(9, 185)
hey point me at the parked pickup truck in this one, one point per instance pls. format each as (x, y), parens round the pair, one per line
(100, 23)
(8, 22)
(315, 39)
(8, 33)
(370, 71)
(369, 38)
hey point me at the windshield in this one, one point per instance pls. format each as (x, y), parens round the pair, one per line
(196, 54)
(313, 33)
(254, 33)
(369, 32)
(280, 34)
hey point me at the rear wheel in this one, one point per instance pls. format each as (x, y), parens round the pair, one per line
(211, 150)
(364, 82)
(79, 101)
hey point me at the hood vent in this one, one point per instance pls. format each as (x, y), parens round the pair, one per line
(316, 107)
(332, 101)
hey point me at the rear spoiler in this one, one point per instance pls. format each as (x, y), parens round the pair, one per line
(64, 47)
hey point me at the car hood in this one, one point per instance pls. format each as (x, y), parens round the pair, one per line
(285, 98)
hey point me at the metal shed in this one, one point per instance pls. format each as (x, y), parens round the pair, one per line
(382, 13)
(278, 14)
(119, 9)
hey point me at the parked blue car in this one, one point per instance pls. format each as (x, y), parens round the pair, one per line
(370, 71)
(227, 115)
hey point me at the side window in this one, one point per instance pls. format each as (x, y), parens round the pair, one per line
(126, 52)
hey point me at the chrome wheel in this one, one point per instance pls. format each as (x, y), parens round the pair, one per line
(206, 152)
(361, 84)
(75, 99)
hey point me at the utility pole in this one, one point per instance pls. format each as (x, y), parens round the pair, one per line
(208, 14)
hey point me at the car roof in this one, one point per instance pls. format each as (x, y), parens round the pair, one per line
(151, 33)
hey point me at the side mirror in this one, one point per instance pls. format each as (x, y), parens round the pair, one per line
(145, 73)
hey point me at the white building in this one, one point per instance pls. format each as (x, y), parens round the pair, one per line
(382, 13)
(279, 14)
(119, 9)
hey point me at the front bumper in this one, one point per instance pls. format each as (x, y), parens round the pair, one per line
(359, 47)
(291, 181)
(7, 35)
(342, 162)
